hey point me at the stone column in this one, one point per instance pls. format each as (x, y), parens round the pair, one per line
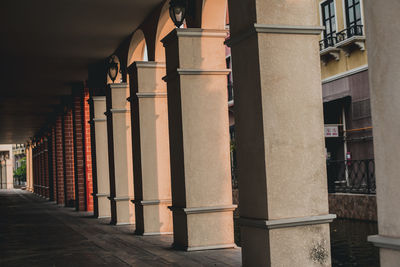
(120, 158)
(149, 112)
(279, 133)
(38, 170)
(9, 171)
(383, 31)
(41, 169)
(3, 184)
(31, 167)
(102, 169)
(199, 139)
(28, 157)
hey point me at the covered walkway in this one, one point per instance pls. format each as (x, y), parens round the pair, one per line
(34, 232)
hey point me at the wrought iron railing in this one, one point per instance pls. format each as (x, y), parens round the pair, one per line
(328, 41)
(332, 39)
(354, 30)
(351, 176)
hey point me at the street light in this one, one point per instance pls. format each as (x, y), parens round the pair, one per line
(112, 68)
(177, 11)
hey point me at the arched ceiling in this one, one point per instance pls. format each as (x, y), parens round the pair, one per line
(47, 45)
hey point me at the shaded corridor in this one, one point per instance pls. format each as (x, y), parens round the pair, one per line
(34, 232)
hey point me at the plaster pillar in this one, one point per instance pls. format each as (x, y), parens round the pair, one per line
(10, 173)
(383, 31)
(41, 169)
(27, 165)
(102, 169)
(149, 112)
(38, 185)
(283, 196)
(30, 168)
(199, 139)
(120, 157)
(3, 184)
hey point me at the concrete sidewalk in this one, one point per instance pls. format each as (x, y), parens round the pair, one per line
(34, 232)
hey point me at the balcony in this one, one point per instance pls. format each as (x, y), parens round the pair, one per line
(327, 48)
(351, 39)
(348, 40)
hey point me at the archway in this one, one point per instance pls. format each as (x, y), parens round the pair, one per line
(137, 48)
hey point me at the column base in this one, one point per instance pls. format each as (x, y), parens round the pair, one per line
(104, 208)
(125, 211)
(188, 249)
(286, 242)
(153, 217)
(203, 228)
(104, 217)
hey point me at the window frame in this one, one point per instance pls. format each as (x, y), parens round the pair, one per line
(322, 19)
(344, 4)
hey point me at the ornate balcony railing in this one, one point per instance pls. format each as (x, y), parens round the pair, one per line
(328, 41)
(354, 30)
(332, 39)
(351, 176)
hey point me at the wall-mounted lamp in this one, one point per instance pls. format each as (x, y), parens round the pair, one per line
(178, 10)
(112, 68)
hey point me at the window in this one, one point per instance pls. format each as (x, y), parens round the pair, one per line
(329, 21)
(353, 13)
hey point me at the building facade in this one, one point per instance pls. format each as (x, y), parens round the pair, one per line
(346, 96)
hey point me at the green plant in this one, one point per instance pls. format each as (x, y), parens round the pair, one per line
(20, 172)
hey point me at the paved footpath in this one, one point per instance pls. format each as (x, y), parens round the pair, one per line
(34, 232)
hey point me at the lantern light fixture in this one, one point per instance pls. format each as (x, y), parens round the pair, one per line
(112, 68)
(178, 10)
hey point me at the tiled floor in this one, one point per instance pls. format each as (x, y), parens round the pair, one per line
(34, 232)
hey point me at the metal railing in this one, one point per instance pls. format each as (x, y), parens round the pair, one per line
(328, 41)
(332, 39)
(351, 176)
(354, 30)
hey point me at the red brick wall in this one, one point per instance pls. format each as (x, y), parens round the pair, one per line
(93, 155)
(79, 154)
(69, 160)
(40, 168)
(54, 163)
(88, 152)
(46, 167)
(59, 161)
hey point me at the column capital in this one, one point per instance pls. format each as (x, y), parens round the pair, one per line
(273, 29)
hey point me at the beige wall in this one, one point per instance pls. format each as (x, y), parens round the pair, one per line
(384, 59)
